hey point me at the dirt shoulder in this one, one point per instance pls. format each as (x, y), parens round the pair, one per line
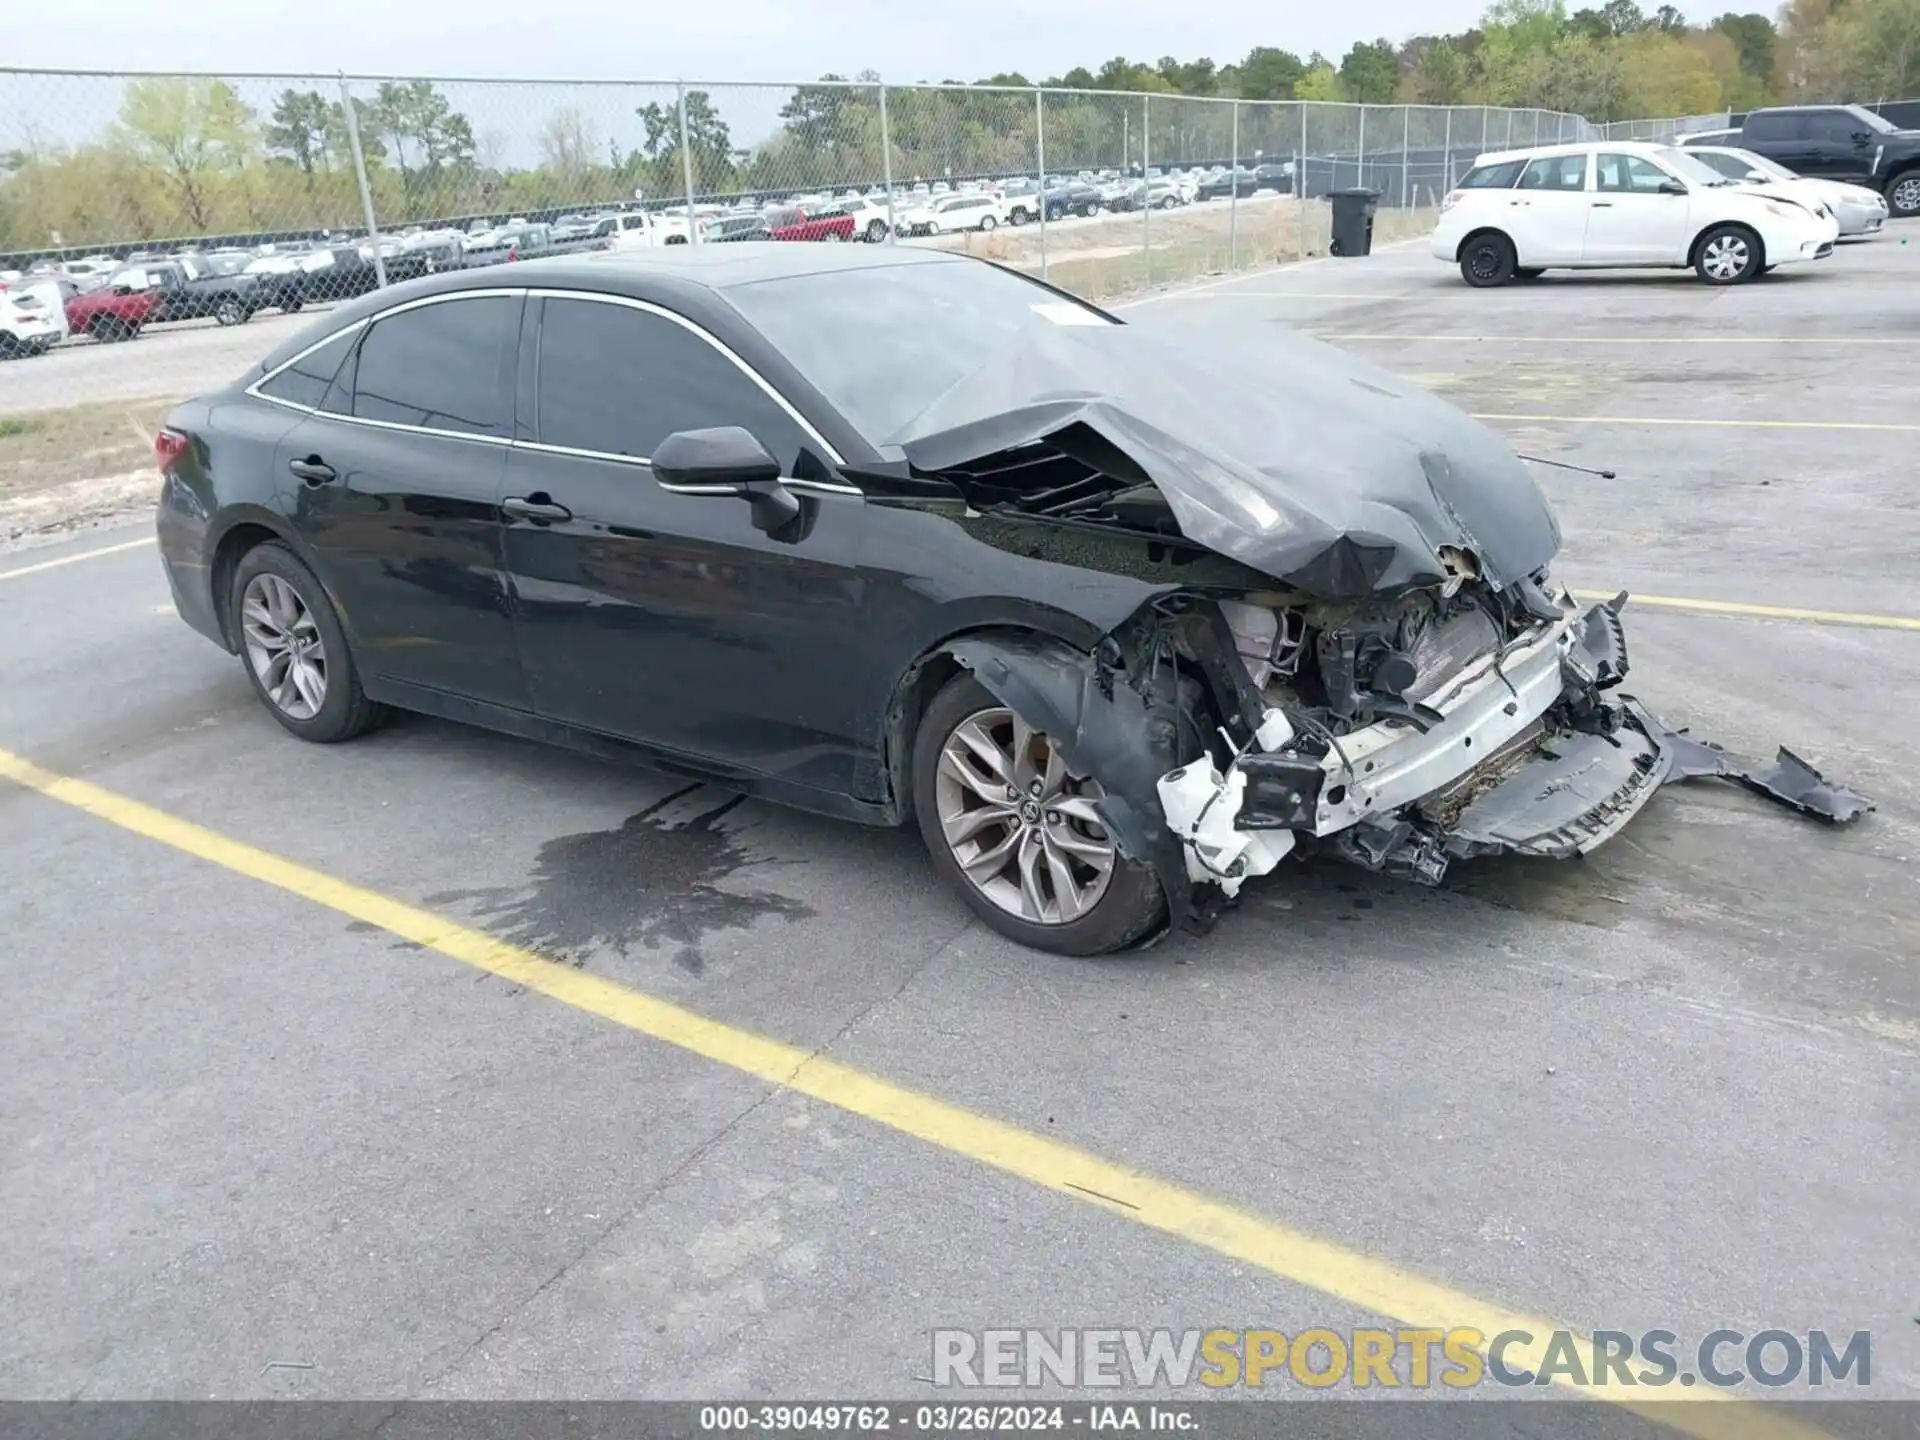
(64, 468)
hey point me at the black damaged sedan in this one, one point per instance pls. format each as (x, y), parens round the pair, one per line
(903, 536)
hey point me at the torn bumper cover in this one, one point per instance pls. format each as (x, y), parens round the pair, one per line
(1521, 752)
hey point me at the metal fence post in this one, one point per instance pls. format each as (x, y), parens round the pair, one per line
(1233, 195)
(886, 168)
(1304, 112)
(1146, 188)
(1040, 156)
(686, 164)
(1447, 146)
(360, 175)
(1406, 134)
(1360, 152)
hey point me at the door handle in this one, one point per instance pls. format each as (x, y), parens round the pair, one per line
(1603, 204)
(535, 509)
(313, 470)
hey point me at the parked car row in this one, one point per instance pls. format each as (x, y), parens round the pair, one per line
(1842, 144)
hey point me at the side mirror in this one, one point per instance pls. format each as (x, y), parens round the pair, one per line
(1672, 187)
(727, 460)
(1861, 137)
(1758, 177)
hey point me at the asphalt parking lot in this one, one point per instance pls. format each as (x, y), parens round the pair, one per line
(300, 1131)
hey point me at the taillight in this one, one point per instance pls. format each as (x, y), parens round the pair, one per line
(168, 446)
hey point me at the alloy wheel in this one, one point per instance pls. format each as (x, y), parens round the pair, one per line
(1024, 833)
(1906, 195)
(284, 647)
(1725, 257)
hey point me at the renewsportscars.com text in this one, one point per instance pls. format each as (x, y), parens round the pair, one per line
(1416, 1359)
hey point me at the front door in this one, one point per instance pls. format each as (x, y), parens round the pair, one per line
(394, 484)
(668, 617)
(1840, 146)
(1630, 220)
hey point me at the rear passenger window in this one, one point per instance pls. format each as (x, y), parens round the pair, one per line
(1556, 172)
(445, 366)
(305, 381)
(617, 381)
(1780, 125)
(1492, 177)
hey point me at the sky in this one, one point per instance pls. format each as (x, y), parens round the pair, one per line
(700, 39)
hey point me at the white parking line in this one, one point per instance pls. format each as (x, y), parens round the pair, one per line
(26, 570)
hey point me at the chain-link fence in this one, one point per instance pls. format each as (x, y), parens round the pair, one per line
(1671, 127)
(222, 195)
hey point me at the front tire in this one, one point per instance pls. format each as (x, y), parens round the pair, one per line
(1018, 837)
(230, 312)
(1488, 260)
(876, 231)
(293, 648)
(987, 222)
(1729, 255)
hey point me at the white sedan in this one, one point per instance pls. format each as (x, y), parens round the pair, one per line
(1620, 204)
(1860, 211)
(948, 213)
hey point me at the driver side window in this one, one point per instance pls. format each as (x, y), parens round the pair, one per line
(617, 380)
(1628, 173)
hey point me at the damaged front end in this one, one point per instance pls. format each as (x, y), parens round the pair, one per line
(1356, 648)
(1398, 735)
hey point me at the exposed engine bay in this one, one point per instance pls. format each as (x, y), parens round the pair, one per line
(1399, 736)
(1355, 646)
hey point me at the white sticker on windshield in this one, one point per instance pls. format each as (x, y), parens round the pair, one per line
(1061, 313)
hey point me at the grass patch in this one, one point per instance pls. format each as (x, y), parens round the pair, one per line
(43, 448)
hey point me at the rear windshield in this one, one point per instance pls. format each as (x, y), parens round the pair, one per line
(1493, 177)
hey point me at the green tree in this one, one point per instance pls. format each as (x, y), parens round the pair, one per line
(1371, 72)
(1439, 75)
(1270, 74)
(192, 130)
(428, 138)
(1321, 82)
(709, 142)
(299, 127)
(1755, 38)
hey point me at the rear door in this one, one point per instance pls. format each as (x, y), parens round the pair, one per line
(1630, 220)
(1549, 209)
(394, 484)
(668, 618)
(1784, 136)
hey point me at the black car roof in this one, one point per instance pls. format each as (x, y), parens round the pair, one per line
(684, 277)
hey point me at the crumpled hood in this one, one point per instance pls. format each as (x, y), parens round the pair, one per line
(1289, 455)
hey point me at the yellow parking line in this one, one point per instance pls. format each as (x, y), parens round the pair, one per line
(1623, 339)
(1366, 1283)
(25, 570)
(1761, 612)
(1713, 423)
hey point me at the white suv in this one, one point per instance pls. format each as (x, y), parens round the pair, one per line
(1614, 204)
(948, 213)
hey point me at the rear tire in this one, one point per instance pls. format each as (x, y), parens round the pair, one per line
(987, 222)
(1729, 255)
(1127, 908)
(876, 231)
(1487, 260)
(267, 626)
(230, 312)
(1903, 195)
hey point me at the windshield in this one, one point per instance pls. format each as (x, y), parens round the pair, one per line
(1688, 167)
(884, 343)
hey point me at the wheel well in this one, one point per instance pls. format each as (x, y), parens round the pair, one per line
(1480, 234)
(226, 558)
(1693, 250)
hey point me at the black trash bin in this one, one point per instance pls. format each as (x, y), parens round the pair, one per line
(1353, 219)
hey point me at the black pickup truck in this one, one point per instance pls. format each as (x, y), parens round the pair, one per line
(1834, 142)
(188, 288)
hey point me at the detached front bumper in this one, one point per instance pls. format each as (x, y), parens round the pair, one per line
(1529, 756)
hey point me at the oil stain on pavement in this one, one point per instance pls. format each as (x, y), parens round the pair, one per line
(652, 883)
